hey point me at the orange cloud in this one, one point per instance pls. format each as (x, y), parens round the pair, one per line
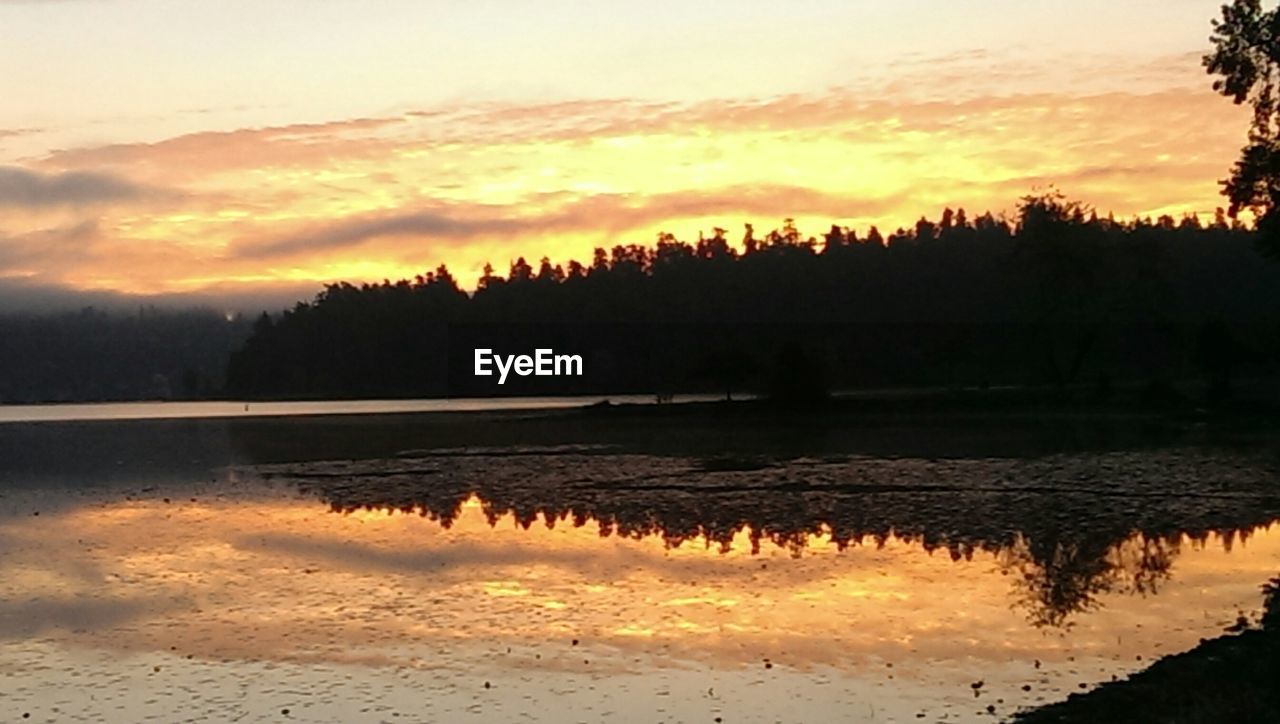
(387, 196)
(190, 156)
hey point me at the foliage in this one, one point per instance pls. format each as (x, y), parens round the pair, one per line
(1057, 295)
(1246, 57)
(92, 354)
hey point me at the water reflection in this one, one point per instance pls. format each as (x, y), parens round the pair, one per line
(1056, 579)
(1069, 528)
(566, 578)
(219, 566)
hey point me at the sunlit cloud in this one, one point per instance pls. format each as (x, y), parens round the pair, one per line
(197, 154)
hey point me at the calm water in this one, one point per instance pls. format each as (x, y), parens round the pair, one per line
(583, 584)
(233, 408)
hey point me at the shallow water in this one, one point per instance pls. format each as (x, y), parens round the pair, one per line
(233, 408)
(582, 582)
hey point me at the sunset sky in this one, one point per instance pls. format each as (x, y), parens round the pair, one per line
(240, 148)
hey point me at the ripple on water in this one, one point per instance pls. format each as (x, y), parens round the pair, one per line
(883, 599)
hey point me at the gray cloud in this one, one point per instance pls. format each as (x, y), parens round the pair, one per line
(355, 232)
(603, 213)
(46, 247)
(23, 188)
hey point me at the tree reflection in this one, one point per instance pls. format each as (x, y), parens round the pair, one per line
(1063, 576)
(1042, 519)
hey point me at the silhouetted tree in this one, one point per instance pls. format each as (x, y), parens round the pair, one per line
(1246, 56)
(1058, 296)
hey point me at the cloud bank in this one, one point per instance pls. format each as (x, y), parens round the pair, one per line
(388, 195)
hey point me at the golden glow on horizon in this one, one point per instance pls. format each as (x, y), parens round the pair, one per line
(464, 184)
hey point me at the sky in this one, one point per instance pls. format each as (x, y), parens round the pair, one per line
(243, 151)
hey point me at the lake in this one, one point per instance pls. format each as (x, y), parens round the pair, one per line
(239, 408)
(346, 574)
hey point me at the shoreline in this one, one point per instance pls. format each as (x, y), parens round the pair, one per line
(923, 402)
(1229, 678)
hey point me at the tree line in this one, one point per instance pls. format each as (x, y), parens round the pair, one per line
(94, 354)
(1055, 295)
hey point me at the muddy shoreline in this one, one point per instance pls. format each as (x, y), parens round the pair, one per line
(927, 426)
(1232, 678)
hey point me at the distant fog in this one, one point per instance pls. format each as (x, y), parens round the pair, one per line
(22, 297)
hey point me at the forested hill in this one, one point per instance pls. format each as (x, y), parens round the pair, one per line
(95, 354)
(1055, 296)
